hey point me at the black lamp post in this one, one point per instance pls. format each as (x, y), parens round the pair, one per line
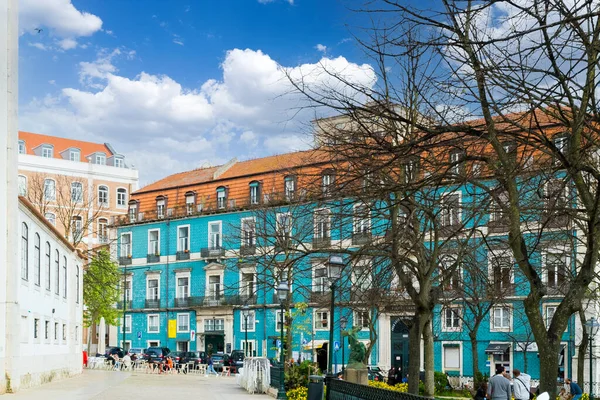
(124, 306)
(282, 293)
(591, 328)
(343, 323)
(334, 272)
(245, 314)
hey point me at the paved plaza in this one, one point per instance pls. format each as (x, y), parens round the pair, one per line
(93, 384)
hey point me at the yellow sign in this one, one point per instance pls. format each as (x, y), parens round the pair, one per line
(172, 331)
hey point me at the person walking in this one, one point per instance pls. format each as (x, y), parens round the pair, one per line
(499, 386)
(391, 380)
(522, 385)
(574, 389)
(211, 369)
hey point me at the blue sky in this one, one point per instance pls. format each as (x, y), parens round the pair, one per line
(180, 84)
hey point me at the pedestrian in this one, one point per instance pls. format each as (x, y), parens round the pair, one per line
(481, 392)
(391, 380)
(574, 389)
(499, 386)
(211, 369)
(522, 385)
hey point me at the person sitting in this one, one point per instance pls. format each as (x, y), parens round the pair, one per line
(564, 395)
(169, 364)
(391, 380)
(574, 389)
(118, 363)
(126, 361)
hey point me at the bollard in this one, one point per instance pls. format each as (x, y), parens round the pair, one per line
(315, 387)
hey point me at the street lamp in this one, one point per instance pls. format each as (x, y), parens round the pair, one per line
(591, 328)
(334, 272)
(282, 293)
(343, 323)
(246, 314)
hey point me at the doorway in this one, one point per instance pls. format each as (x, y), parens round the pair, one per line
(214, 344)
(322, 357)
(182, 346)
(400, 345)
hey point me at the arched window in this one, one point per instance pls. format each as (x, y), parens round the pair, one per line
(36, 259)
(65, 277)
(49, 189)
(103, 230)
(221, 197)
(121, 197)
(327, 181)
(48, 265)
(76, 192)
(255, 192)
(289, 184)
(77, 228)
(22, 185)
(77, 284)
(57, 272)
(103, 195)
(24, 251)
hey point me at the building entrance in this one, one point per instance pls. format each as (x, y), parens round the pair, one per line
(322, 357)
(400, 345)
(214, 343)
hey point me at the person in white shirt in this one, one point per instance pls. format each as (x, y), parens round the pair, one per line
(521, 385)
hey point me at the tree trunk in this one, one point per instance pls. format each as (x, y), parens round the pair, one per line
(428, 355)
(582, 350)
(549, 367)
(474, 356)
(414, 360)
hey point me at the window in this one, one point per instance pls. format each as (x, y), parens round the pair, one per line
(64, 331)
(451, 319)
(103, 195)
(36, 328)
(290, 187)
(248, 232)
(121, 197)
(321, 320)
(362, 220)
(450, 209)
(127, 294)
(56, 331)
(284, 225)
(57, 272)
(37, 255)
(322, 222)
(152, 289)
(22, 185)
(183, 238)
(22, 149)
(47, 151)
(247, 285)
(47, 330)
(214, 287)
(103, 230)
(154, 242)
(501, 318)
(75, 155)
(451, 357)
(190, 202)
(362, 319)
(456, 162)
(451, 272)
(550, 310)
(557, 267)
(320, 281)
(214, 325)
(183, 287)
(327, 182)
(278, 322)
(160, 206)
(48, 264)
(100, 159)
(51, 218)
(126, 245)
(24, 251)
(119, 163)
(498, 206)
(561, 143)
(127, 323)
(409, 170)
(64, 277)
(254, 192)
(77, 228)
(221, 197)
(153, 326)
(214, 235)
(49, 189)
(133, 211)
(183, 322)
(249, 326)
(502, 272)
(77, 284)
(361, 275)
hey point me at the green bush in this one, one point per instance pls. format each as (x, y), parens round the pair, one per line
(297, 375)
(440, 381)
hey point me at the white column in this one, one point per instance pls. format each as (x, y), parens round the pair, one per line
(384, 342)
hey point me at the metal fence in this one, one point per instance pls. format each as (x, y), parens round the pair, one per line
(275, 375)
(342, 390)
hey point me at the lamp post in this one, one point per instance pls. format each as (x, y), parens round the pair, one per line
(334, 272)
(245, 314)
(282, 293)
(343, 323)
(124, 306)
(591, 328)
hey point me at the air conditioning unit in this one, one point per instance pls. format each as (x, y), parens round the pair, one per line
(169, 212)
(141, 216)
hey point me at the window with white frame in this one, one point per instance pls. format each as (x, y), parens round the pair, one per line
(248, 227)
(64, 269)
(278, 322)
(24, 251)
(549, 314)
(320, 283)
(47, 330)
(22, 148)
(47, 151)
(48, 265)
(456, 161)
(451, 272)
(247, 285)
(410, 170)
(451, 321)
(121, 197)
(77, 228)
(502, 271)
(127, 323)
(214, 287)
(498, 206)
(152, 292)
(119, 163)
(49, 189)
(361, 318)
(362, 220)
(37, 259)
(501, 318)
(127, 293)
(22, 185)
(57, 272)
(154, 242)
(160, 207)
(361, 275)
(190, 203)
(254, 193)
(284, 225)
(36, 328)
(64, 331)
(183, 322)
(126, 244)
(100, 159)
(183, 238)
(322, 224)
(450, 209)
(327, 182)
(103, 195)
(221, 197)
(321, 319)
(556, 268)
(74, 155)
(249, 326)
(216, 324)
(153, 323)
(214, 235)
(51, 217)
(183, 287)
(102, 230)
(248, 348)
(557, 195)
(451, 357)
(289, 187)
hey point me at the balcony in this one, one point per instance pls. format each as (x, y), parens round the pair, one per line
(183, 302)
(321, 242)
(127, 305)
(496, 226)
(319, 296)
(212, 252)
(247, 250)
(125, 260)
(360, 238)
(152, 303)
(103, 239)
(153, 258)
(183, 255)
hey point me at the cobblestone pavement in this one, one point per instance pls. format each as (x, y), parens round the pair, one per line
(112, 385)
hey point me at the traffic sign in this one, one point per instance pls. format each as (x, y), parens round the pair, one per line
(304, 342)
(278, 343)
(192, 335)
(336, 346)
(139, 334)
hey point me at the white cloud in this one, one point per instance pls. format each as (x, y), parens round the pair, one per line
(67, 44)
(178, 41)
(60, 16)
(38, 45)
(155, 121)
(320, 47)
(271, 1)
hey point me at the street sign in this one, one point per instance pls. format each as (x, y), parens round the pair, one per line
(336, 346)
(278, 343)
(139, 334)
(304, 342)
(192, 335)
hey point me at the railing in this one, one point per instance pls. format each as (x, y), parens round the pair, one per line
(127, 305)
(124, 260)
(212, 252)
(320, 296)
(500, 225)
(359, 238)
(321, 242)
(275, 375)
(152, 258)
(182, 302)
(152, 303)
(247, 250)
(182, 255)
(342, 390)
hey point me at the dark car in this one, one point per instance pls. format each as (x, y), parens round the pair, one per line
(156, 354)
(110, 351)
(236, 358)
(198, 357)
(138, 351)
(178, 357)
(220, 361)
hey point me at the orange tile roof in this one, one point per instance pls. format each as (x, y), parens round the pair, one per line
(33, 140)
(180, 179)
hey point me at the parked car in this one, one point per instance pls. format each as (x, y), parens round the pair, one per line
(114, 350)
(178, 357)
(375, 374)
(154, 354)
(236, 358)
(220, 361)
(198, 357)
(139, 352)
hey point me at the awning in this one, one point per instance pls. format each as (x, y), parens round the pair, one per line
(497, 348)
(317, 343)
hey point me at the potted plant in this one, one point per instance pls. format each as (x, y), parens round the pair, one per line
(186, 251)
